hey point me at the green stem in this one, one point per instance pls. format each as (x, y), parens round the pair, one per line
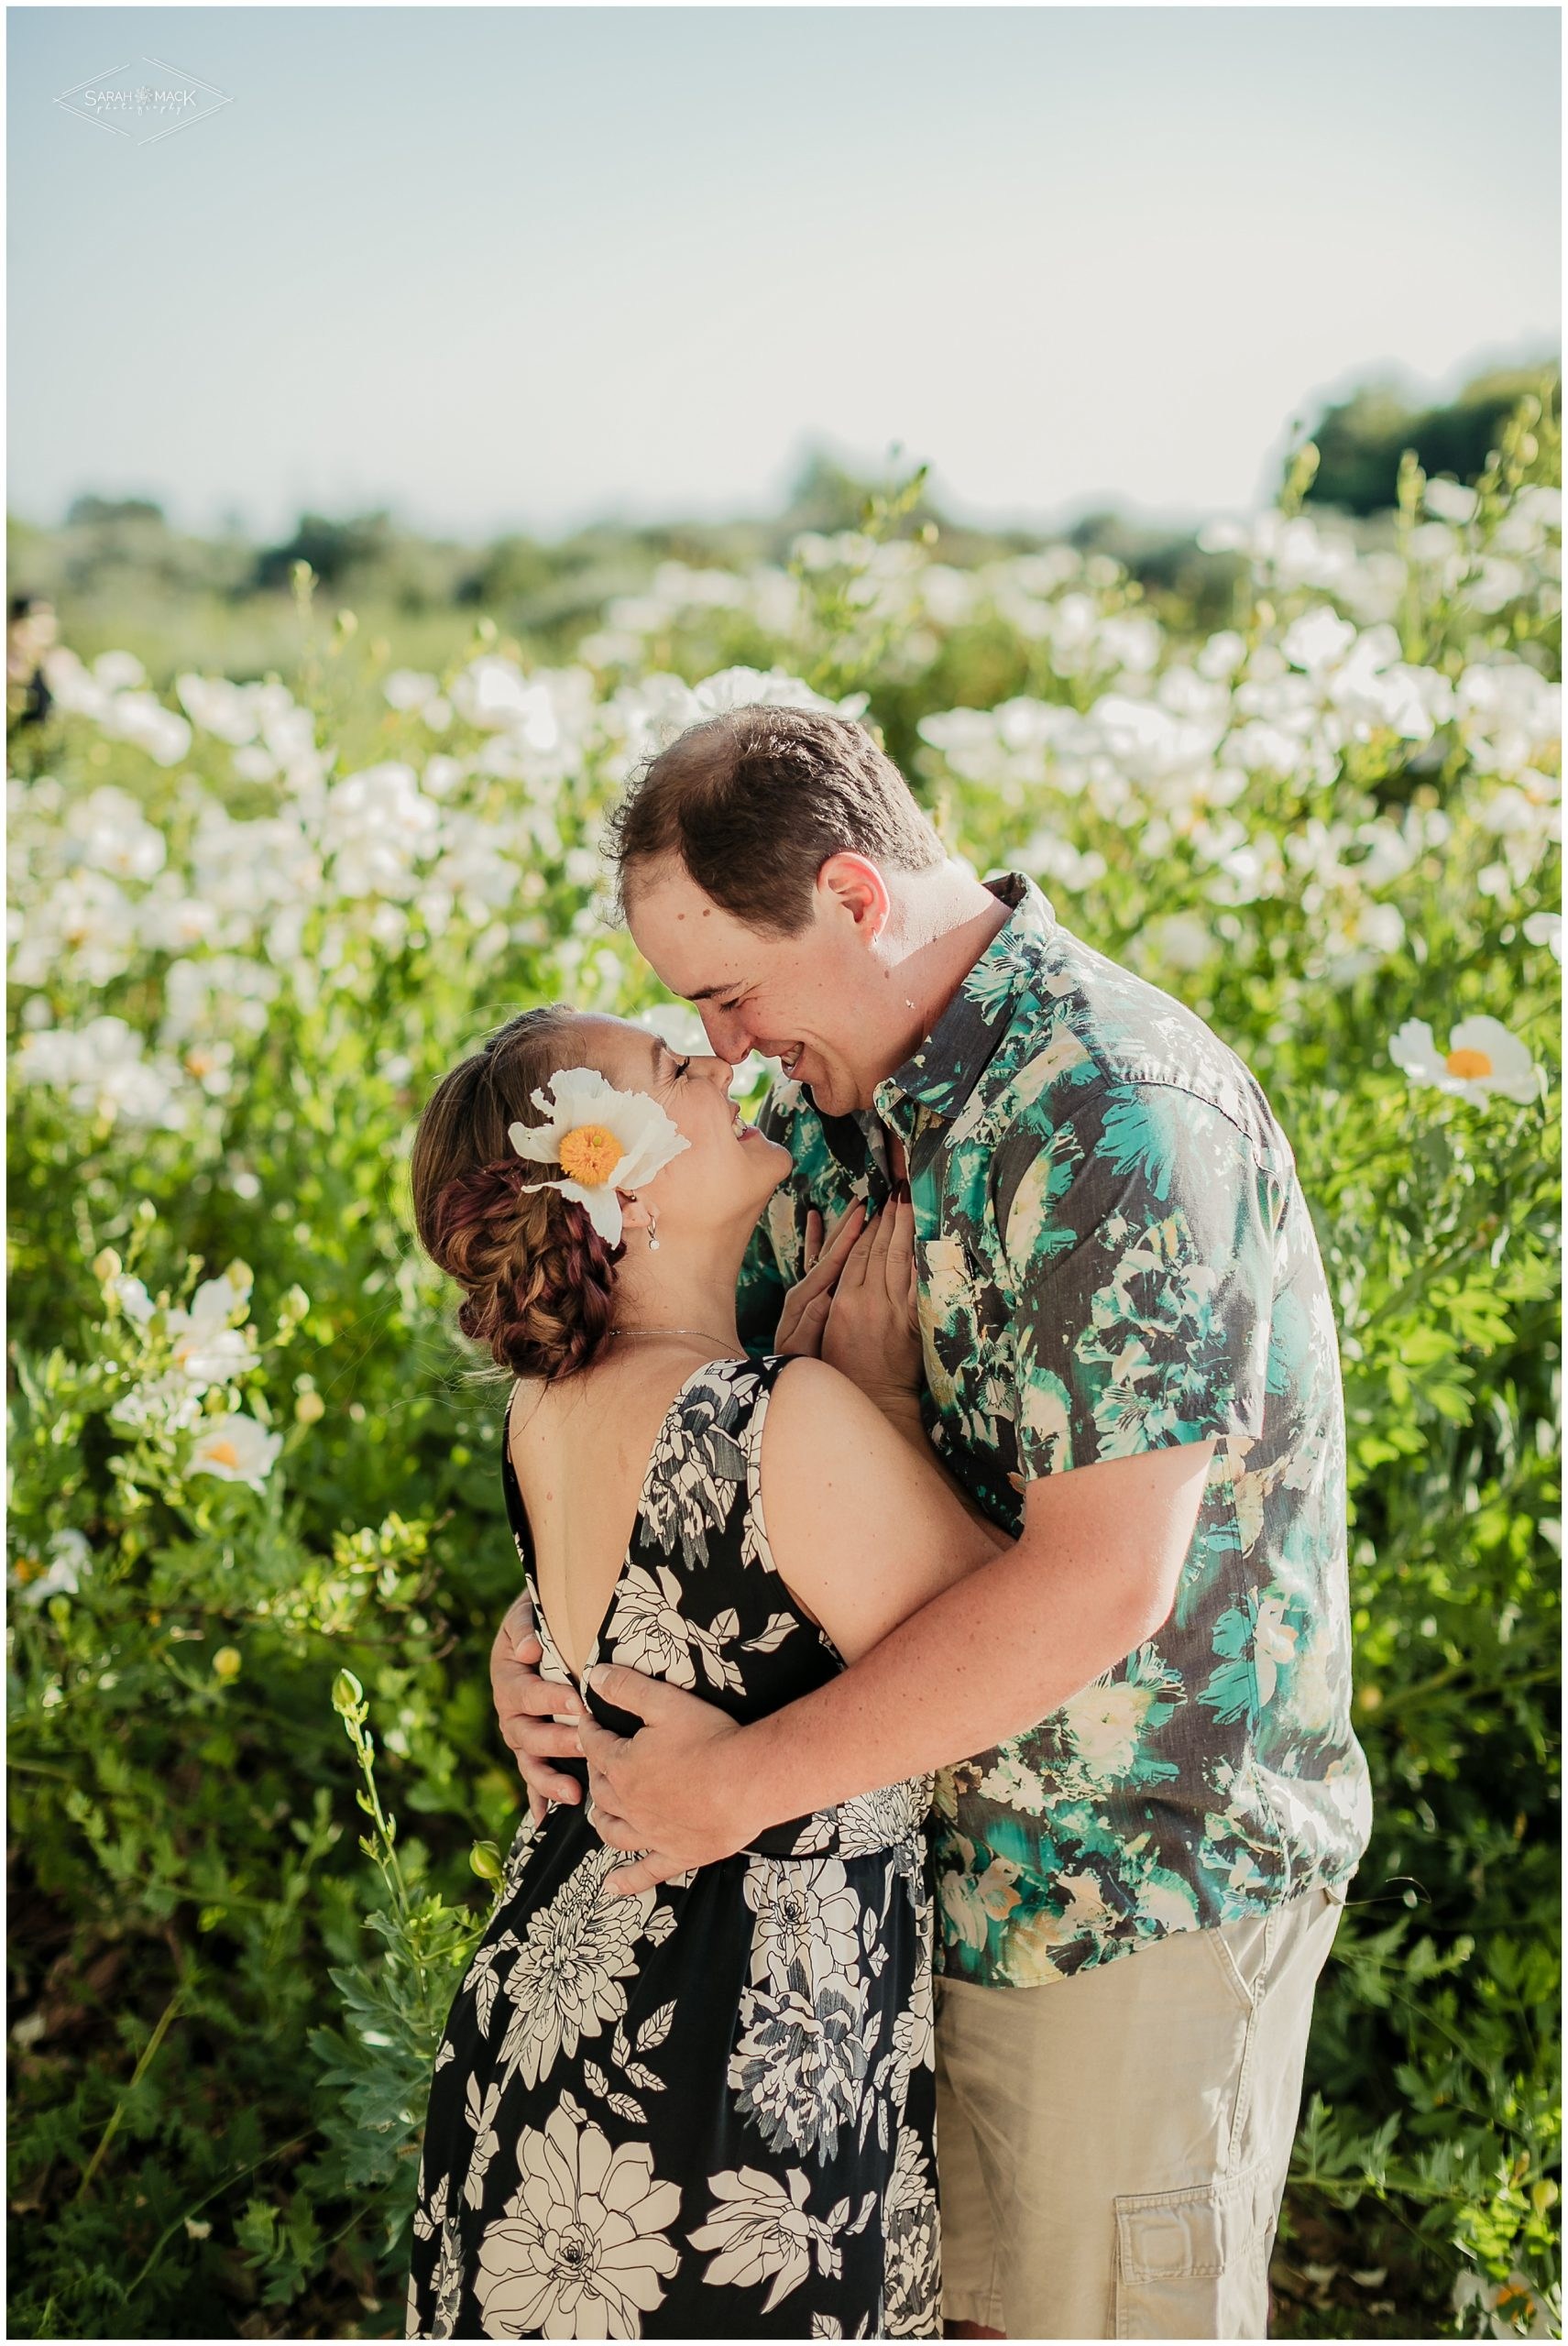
(148, 2054)
(227, 2184)
(1443, 1679)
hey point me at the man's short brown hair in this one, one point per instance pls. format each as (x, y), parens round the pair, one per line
(753, 802)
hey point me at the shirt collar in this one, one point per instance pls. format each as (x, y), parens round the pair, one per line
(946, 1067)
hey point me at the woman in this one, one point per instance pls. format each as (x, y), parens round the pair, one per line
(707, 2110)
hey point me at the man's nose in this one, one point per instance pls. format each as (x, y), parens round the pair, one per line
(727, 1035)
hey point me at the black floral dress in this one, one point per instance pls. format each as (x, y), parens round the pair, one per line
(709, 2110)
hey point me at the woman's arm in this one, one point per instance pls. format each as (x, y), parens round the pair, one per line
(864, 1527)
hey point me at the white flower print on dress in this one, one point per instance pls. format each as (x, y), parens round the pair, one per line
(698, 1468)
(429, 2221)
(798, 2071)
(650, 1632)
(481, 2117)
(581, 2250)
(762, 2231)
(912, 2242)
(879, 1820)
(808, 1921)
(481, 1978)
(447, 2285)
(566, 1981)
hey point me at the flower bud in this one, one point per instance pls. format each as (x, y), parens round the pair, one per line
(310, 1409)
(226, 1661)
(485, 1860)
(347, 1693)
(106, 1266)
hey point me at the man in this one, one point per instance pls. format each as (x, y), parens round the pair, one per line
(1131, 1364)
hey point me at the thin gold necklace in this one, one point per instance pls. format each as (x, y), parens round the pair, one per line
(707, 1335)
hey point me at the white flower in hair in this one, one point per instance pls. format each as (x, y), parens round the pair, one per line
(603, 1141)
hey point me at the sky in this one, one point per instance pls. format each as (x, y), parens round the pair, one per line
(518, 268)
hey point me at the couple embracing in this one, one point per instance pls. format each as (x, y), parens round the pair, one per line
(932, 1672)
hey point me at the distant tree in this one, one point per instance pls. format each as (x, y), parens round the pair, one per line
(1360, 440)
(331, 548)
(510, 571)
(94, 512)
(824, 496)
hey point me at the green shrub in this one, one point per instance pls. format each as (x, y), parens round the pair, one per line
(256, 1497)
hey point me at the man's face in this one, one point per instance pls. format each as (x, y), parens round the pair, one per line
(822, 1003)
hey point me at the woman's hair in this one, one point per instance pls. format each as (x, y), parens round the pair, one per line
(537, 1278)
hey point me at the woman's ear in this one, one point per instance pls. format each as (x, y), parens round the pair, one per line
(634, 1214)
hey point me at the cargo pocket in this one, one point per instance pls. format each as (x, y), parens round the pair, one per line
(1194, 2264)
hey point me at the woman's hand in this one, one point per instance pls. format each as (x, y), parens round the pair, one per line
(872, 1335)
(805, 1313)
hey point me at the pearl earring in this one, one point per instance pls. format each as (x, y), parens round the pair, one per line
(653, 1228)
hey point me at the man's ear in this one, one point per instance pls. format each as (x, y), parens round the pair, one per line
(857, 887)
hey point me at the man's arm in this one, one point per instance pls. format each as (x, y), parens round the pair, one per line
(1093, 1575)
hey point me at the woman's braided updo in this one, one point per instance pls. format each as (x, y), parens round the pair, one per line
(537, 1277)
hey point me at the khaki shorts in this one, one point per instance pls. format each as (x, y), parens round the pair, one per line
(1113, 2147)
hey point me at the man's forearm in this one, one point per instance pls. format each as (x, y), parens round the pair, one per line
(989, 1656)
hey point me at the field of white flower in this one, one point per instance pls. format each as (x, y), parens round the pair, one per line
(253, 922)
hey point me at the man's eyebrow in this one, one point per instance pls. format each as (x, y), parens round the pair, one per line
(705, 993)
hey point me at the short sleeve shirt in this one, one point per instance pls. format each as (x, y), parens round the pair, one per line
(1115, 1256)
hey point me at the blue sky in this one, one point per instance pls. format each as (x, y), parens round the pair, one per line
(520, 267)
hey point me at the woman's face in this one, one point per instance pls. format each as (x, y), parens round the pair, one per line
(728, 1172)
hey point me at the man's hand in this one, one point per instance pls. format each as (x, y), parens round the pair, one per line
(672, 1791)
(527, 1709)
(804, 1313)
(872, 1334)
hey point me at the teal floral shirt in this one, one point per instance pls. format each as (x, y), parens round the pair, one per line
(1114, 1255)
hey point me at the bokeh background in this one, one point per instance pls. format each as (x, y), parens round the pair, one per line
(1148, 419)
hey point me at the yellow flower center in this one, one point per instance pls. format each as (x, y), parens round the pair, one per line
(1468, 1065)
(590, 1154)
(223, 1453)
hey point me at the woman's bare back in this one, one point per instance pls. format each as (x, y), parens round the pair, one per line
(580, 1450)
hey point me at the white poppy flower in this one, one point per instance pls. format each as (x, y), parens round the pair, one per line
(1450, 500)
(207, 1349)
(68, 1557)
(1482, 1058)
(237, 1449)
(603, 1141)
